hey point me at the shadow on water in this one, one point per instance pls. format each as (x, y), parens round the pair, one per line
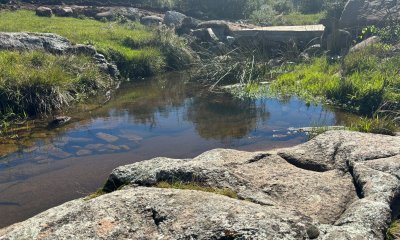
(165, 116)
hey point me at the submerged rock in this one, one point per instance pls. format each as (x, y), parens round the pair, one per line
(107, 137)
(59, 121)
(339, 185)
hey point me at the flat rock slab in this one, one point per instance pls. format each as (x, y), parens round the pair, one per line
(339, 185)
(266, 179)
(151, 213)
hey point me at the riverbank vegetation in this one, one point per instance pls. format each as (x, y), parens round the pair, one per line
(137, 50)
(365, 82)
(35, 82)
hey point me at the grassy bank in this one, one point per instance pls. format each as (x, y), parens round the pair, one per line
(135, 48)
(36, 82)
(366, 82)
(361, 83)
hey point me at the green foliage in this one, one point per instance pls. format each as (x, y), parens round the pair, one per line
(291, 12)
(35, 82)
(264, 15)
(197, 187)
(297, 18)
(390, 33)
(376, 124)
(367, 32)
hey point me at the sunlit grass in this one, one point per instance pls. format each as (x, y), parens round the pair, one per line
(361, 83)
(37, 82)
(296, 18)
(110, 38)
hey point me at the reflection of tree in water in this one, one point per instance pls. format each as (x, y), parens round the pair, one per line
(220, 116)
(156, 96)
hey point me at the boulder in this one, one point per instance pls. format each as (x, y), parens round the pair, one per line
(34, 41)
(220, 28)
(365, 44)
(151, 20)
(44, 12)
(63, 12)
(361, 13)
(187, 25)
(173, 19)
(112, 13)
(205, 35)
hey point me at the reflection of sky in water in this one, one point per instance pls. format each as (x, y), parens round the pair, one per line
(182, 114)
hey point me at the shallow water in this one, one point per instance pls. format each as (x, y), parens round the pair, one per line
(165, 116)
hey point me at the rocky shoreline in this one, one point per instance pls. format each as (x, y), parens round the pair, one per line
(339, 185)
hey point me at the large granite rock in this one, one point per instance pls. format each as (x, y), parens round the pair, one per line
(151, 213)
(339, 185)
(360, 13)
(257, 177)
(174, 19)
(34, 41)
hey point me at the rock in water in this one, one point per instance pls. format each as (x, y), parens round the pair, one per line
(59, 121)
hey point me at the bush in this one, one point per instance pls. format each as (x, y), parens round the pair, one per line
(264, 16)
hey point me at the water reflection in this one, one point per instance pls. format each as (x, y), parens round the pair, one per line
(166, 116)
(220, 116)
(167, 106)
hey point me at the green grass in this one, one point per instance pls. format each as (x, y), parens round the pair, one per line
(378, 125)
(131, 45)
(297, 18)
(361, 83)
(197, 187)
(36, 82)
(96, 194)
(394, 231)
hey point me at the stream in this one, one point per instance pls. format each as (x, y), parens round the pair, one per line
(168, 116)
